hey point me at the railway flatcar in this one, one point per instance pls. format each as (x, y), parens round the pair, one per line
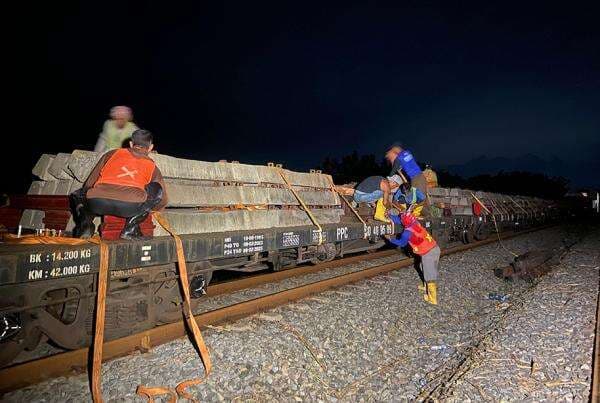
(231, 217)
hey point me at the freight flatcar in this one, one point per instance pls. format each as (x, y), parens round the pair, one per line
(47, 292)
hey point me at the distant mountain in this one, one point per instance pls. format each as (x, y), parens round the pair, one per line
(580, 173)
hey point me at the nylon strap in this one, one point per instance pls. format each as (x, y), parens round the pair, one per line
(185, 286)
(304, 206)
(98, 340)
(151, 393)
(518, 205)
(99, 322)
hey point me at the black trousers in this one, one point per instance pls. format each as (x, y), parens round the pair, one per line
(86, 209)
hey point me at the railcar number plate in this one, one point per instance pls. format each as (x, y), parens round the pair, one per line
(241, 244)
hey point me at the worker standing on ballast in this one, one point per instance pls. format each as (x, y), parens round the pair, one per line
(116, 130)
(426, 250)
(124, 183)
(403, 160)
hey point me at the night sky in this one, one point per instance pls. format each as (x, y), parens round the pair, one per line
(295, 82)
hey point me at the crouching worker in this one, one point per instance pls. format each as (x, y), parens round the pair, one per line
(124, 183)
(377, 189)
(425, 248)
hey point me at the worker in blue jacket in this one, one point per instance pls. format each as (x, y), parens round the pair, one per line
(409, 196)
(403, 160)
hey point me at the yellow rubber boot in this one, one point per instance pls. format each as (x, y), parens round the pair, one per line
(431, 295)
(380, 212)
(422, 286)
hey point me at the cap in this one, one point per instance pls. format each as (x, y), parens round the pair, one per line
(396, 178)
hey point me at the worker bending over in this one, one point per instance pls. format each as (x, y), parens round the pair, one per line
(426, 250)
(403, 160)
(376, 189)
(116, 130)
(124, 183)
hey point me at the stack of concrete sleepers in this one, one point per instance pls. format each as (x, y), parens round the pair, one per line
(212, 196)
(459, 201)
(52, 180)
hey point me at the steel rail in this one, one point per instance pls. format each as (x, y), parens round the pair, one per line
(76, 361)
(254, 281)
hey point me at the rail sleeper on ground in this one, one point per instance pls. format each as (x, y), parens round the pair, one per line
(543, 350)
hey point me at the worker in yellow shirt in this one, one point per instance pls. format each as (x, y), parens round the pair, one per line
(116, 130)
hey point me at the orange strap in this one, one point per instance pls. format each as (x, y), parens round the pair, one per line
(180, 389)
(189, 318)
(185, 285)
(47, 240)
(304, 206)
(151, 393)
(99, 322)
(144, 391)
(100, 297)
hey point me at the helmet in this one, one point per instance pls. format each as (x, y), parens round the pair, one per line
(407, 219)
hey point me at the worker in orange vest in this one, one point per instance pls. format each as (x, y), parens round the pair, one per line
(124, 183)
(426, 250)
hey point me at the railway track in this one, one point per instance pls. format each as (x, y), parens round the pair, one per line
(28, 373)
(227, 287)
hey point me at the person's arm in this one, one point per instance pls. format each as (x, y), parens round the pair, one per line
(95, 174)
(157, 177)
(385, 187)
(402, 241)
(395, 167)
(101, 142)
(100, 146)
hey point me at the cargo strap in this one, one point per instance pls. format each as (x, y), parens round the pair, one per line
(100, 299)
(98, 341)
(495, 224)
(518, 205)
(333, 189)
(304, 206)
(150, 392)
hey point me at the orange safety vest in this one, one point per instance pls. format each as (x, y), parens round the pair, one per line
(420, 241)
(124, 169)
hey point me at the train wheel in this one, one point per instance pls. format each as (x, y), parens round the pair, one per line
(466, 236)
(18, 334)
(482, 232)
(167, 296)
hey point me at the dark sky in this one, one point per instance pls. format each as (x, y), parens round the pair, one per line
(295, 82)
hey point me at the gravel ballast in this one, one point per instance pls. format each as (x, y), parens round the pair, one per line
(378, 340)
